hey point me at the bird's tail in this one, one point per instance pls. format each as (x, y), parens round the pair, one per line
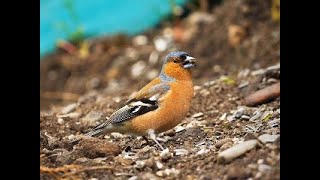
(91, 133)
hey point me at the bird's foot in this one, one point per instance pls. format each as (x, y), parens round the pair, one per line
(152, 136)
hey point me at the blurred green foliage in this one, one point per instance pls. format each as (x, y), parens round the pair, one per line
(275, 10)
(75, 36)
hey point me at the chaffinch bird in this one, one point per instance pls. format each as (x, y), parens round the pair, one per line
(157, 107)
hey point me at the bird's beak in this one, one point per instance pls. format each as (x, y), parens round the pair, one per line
(189, 62)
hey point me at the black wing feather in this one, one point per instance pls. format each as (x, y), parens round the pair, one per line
(125, 113)
(134, 111)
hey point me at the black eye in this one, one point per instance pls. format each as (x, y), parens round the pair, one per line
(183, 57)
(175, 61)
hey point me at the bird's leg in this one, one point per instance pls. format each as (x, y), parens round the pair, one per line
(152, 136)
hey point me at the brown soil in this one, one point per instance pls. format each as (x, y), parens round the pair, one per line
(100, 82)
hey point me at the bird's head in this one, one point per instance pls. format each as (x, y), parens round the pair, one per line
(178, 64)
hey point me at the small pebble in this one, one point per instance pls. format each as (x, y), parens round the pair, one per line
(179, 129)
(204, 92)
(116, 135)
(222, 142)
(153, 58)
(160, 173)
(245, 117)
(137, 69)
(223, 117)
(274, 67)
(244, 84)
(116, 99)
(133, 178)
(69, 108)
(165, 154)
(258, 175)
(72, 115)
(239, 113)
(82, 160)
(140, 164)
(236, 140)
(70, 137)
(231, 118)
(203, 151)
(131, 53)
(200, 144)
(258, 72)
(197, 115)
(197, 88)
(264, 168)
(252, 166)
(267, 138)
(236, 150)
(244, 73)
(140, 40)
(272, 80)
(210, 83)
(60, 121)
(164, 139)
(193, 124)
(200, 17)
(106, 137)
(168, 172)
(179, 152)
(159, 165)
(162, 43)
(274, 123)
(172, 171)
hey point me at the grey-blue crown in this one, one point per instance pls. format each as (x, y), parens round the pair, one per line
(174, 54)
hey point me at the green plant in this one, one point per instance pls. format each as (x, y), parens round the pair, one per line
(77, 35)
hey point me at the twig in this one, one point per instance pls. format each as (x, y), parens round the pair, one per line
(60, 95)
(88, 169)
(65, 170)
(55, 171)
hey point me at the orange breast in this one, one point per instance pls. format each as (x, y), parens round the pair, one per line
(173, 108)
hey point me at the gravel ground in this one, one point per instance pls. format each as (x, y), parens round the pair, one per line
(231, 132)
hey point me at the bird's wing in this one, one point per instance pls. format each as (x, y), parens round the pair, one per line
(144, 102)
(152, 93)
